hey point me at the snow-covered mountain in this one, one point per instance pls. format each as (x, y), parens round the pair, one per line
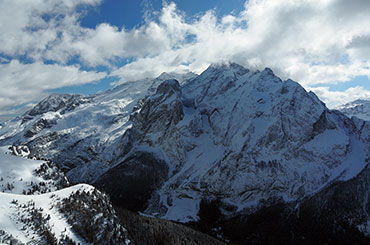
(72, 129)
(357, 108)
(244, 138)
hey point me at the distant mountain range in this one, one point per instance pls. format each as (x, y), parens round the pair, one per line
(357, 108)
(218, 151)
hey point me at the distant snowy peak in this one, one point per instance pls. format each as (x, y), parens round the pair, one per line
(357, 108)
(55, 102)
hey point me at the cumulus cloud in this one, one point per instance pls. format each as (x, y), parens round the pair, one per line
(32, 27)
(310, 41)
(24, 83)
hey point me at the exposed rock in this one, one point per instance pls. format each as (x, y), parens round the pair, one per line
(38, 126)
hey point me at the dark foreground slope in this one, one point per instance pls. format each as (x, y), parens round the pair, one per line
(146, 230)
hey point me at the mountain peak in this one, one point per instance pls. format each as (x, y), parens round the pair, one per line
(180, 77)
(170, 84)
(268, 71)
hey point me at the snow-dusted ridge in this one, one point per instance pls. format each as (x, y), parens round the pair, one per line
(48, 218)
(14, 210)
(28, 217)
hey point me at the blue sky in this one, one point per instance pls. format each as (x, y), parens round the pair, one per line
(87, 46)
(131, 13)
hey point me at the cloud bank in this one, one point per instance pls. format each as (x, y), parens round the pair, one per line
(314, 42)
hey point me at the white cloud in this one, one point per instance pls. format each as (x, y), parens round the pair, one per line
(22, 83)
(32, 27)
(335, 98)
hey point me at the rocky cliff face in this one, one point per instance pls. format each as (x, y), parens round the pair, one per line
(244, 138)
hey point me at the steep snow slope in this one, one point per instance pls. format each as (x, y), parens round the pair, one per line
(242, 137)
(357, 108)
